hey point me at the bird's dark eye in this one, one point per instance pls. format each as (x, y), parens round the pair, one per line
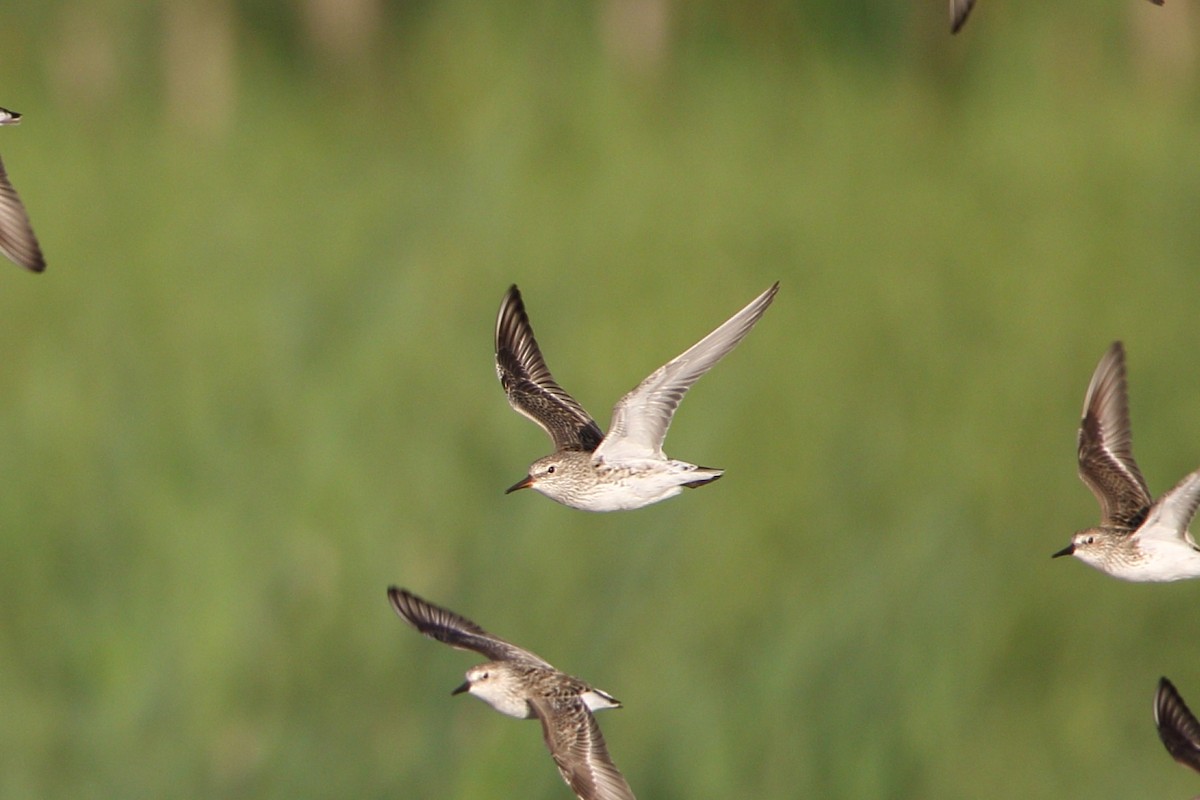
(1090, 539)
(550, 470)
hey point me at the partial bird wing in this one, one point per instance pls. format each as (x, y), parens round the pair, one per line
(959, 10)
(1171, 515)
(578, 748)
(16, 234)
(446, 626)
(530, 387)
(641, 418)
(1177, 727)
(1106, 462)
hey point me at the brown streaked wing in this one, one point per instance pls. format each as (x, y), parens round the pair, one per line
(1106, 462)
(959, 11)
(17, 240)
(1177, 727)
(579, 750)
(531, 389)
(457, 631)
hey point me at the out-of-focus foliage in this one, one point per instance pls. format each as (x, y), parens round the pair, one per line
(254, 387)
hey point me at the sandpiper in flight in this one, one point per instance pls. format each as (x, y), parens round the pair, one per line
(1177, 726)
(1138, 539)
(520, 684)
(16, 234)
(626, 468)
(959, 9)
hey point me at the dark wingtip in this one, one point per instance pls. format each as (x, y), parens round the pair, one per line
(407, 605)
(698, 483)
(398, 597)
(512, 307)
(959, 13)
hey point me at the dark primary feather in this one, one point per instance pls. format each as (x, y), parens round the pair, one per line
(1177, 727)
(17, 240)
(531, 389)
(959, 11)
(1106, 462)
(450, 628)
(578, 748)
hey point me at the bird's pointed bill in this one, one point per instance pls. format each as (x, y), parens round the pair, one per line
(1066, 551)
(465, 687)
(524, 483)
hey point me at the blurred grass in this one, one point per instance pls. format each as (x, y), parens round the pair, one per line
(255, 387)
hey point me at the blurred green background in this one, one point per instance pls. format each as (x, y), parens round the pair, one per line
(255, 387)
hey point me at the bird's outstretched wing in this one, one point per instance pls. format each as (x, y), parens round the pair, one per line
(641, 418)
(1106, 462)
(457, 631)
(1177, 726)
(531, 389)
(579, 750)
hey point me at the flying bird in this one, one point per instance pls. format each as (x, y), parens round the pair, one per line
(1138, 538)
(521, 684)
(625, 468)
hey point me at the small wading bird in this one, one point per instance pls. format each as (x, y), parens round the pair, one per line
(17, 241)
(959, 9)
(1138, 539)
(520, 684)
(1177, 726)
(626, 468)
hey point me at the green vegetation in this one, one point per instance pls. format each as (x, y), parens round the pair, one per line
(254, 388)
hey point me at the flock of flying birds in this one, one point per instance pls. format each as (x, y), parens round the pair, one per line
(961, 9)
(1138, 538)
(592, 471)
